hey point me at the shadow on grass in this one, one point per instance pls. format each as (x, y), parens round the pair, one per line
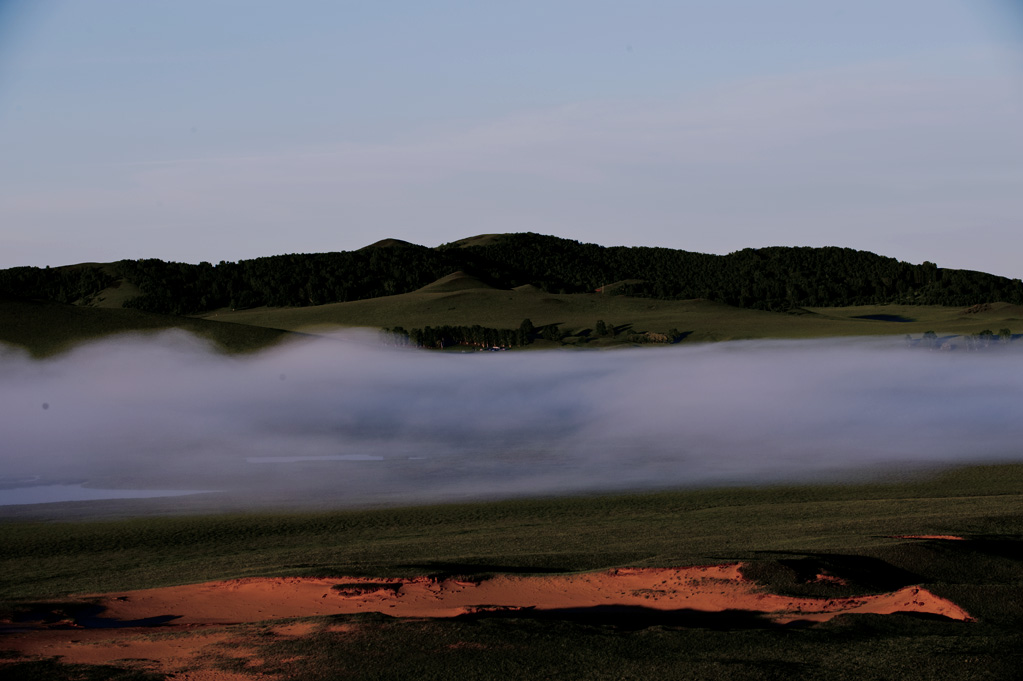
(445, 570)
(631, 618)
(1011, 549)
(81, 616)
(977, 561)
(52, 670)
(801, 575)
(884, 317)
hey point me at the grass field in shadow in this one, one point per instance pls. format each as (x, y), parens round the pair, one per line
(782, 534)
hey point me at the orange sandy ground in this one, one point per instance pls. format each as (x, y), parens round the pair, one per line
(949, 537)
(201, 632)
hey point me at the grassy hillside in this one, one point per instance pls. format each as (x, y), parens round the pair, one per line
(46, 328)
(464, 301)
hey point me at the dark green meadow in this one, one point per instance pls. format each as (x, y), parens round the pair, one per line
(869, 647)
(44, 328)
(785, 535)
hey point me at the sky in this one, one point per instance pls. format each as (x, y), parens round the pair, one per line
(230, 129)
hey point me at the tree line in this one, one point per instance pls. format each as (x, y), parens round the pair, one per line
(62, 284)
(295, 280)
(480, 337)
(777, 278)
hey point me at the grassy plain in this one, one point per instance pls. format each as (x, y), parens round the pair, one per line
(464, 301)
(461, 300)
(784, 534)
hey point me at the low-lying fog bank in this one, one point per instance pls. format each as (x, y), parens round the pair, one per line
(351, 421)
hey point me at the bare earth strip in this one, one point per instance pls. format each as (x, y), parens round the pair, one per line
(946, 537)
(708, 588)
(202, 612)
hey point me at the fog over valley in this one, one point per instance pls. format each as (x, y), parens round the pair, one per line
(355, 421)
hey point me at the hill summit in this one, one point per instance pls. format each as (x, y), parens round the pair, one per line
(390, 243)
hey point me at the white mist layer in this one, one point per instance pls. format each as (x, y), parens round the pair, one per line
(349, 421)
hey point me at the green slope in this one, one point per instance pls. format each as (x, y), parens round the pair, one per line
(577, 314)
(46, 328)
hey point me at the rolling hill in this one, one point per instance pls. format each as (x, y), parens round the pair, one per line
(496, 281)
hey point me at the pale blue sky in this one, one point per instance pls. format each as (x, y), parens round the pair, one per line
(224, 129)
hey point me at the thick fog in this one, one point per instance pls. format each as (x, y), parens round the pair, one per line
(353, 421)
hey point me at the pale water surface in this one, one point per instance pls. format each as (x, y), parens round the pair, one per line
(47, 494)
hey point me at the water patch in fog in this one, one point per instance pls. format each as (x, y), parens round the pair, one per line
(306, 459)
(48, 494)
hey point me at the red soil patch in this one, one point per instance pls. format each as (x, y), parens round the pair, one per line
(219, 604)
(187, 654)
(825, 578)
(949, 537)
(708, 588)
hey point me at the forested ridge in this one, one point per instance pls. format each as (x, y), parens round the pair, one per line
(777, 278)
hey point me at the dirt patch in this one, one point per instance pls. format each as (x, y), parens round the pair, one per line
(201, 623)
(825, 578)
(186, 654)
(949, 537)
(711, 588)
